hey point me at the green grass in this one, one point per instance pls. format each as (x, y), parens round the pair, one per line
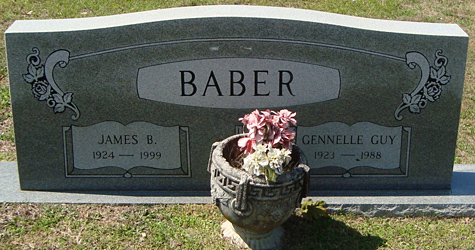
(104, 227)
(4, 99)
(58, 226)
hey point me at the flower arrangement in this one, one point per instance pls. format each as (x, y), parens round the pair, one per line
(265, 159)
(268, 143)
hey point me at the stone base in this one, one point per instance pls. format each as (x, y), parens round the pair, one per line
(242, 238)
(461, 201)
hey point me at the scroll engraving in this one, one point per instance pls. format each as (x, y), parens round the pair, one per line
(43, 85)
(430, 85)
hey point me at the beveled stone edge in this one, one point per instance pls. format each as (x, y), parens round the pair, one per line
(245, 11)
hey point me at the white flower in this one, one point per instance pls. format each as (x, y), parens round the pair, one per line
(267, 161)
(277, 159)
(257, 161)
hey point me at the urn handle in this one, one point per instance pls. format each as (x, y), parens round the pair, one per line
(241, 205)
(306, 184)
(210, 160)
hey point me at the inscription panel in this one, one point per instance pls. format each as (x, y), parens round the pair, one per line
(249, 82)
(362, 145)
(138, 149)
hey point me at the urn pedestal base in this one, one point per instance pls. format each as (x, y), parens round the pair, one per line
(256, 241)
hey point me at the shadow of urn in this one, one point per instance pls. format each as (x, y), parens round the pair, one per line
(325, 233)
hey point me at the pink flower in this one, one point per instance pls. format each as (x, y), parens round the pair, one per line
(268, 116)
(247, 144)
(255, 124)
(288, 136)
(285, 116)
(273, 136)
(268, 128)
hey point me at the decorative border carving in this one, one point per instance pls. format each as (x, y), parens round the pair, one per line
(43, 86)
(257, 192)
(430, 84)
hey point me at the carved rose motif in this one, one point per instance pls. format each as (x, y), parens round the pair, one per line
(41, 90)
(432, 91)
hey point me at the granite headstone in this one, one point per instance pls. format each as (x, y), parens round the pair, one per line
(135, 101)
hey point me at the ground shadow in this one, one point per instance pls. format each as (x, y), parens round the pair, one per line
(326, 233)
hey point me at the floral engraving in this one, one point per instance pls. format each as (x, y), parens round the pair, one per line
(430, 85)
(43, 86)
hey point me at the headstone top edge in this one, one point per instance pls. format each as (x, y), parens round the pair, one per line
(243, 11)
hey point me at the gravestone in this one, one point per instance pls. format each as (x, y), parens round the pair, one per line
(135, 101)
